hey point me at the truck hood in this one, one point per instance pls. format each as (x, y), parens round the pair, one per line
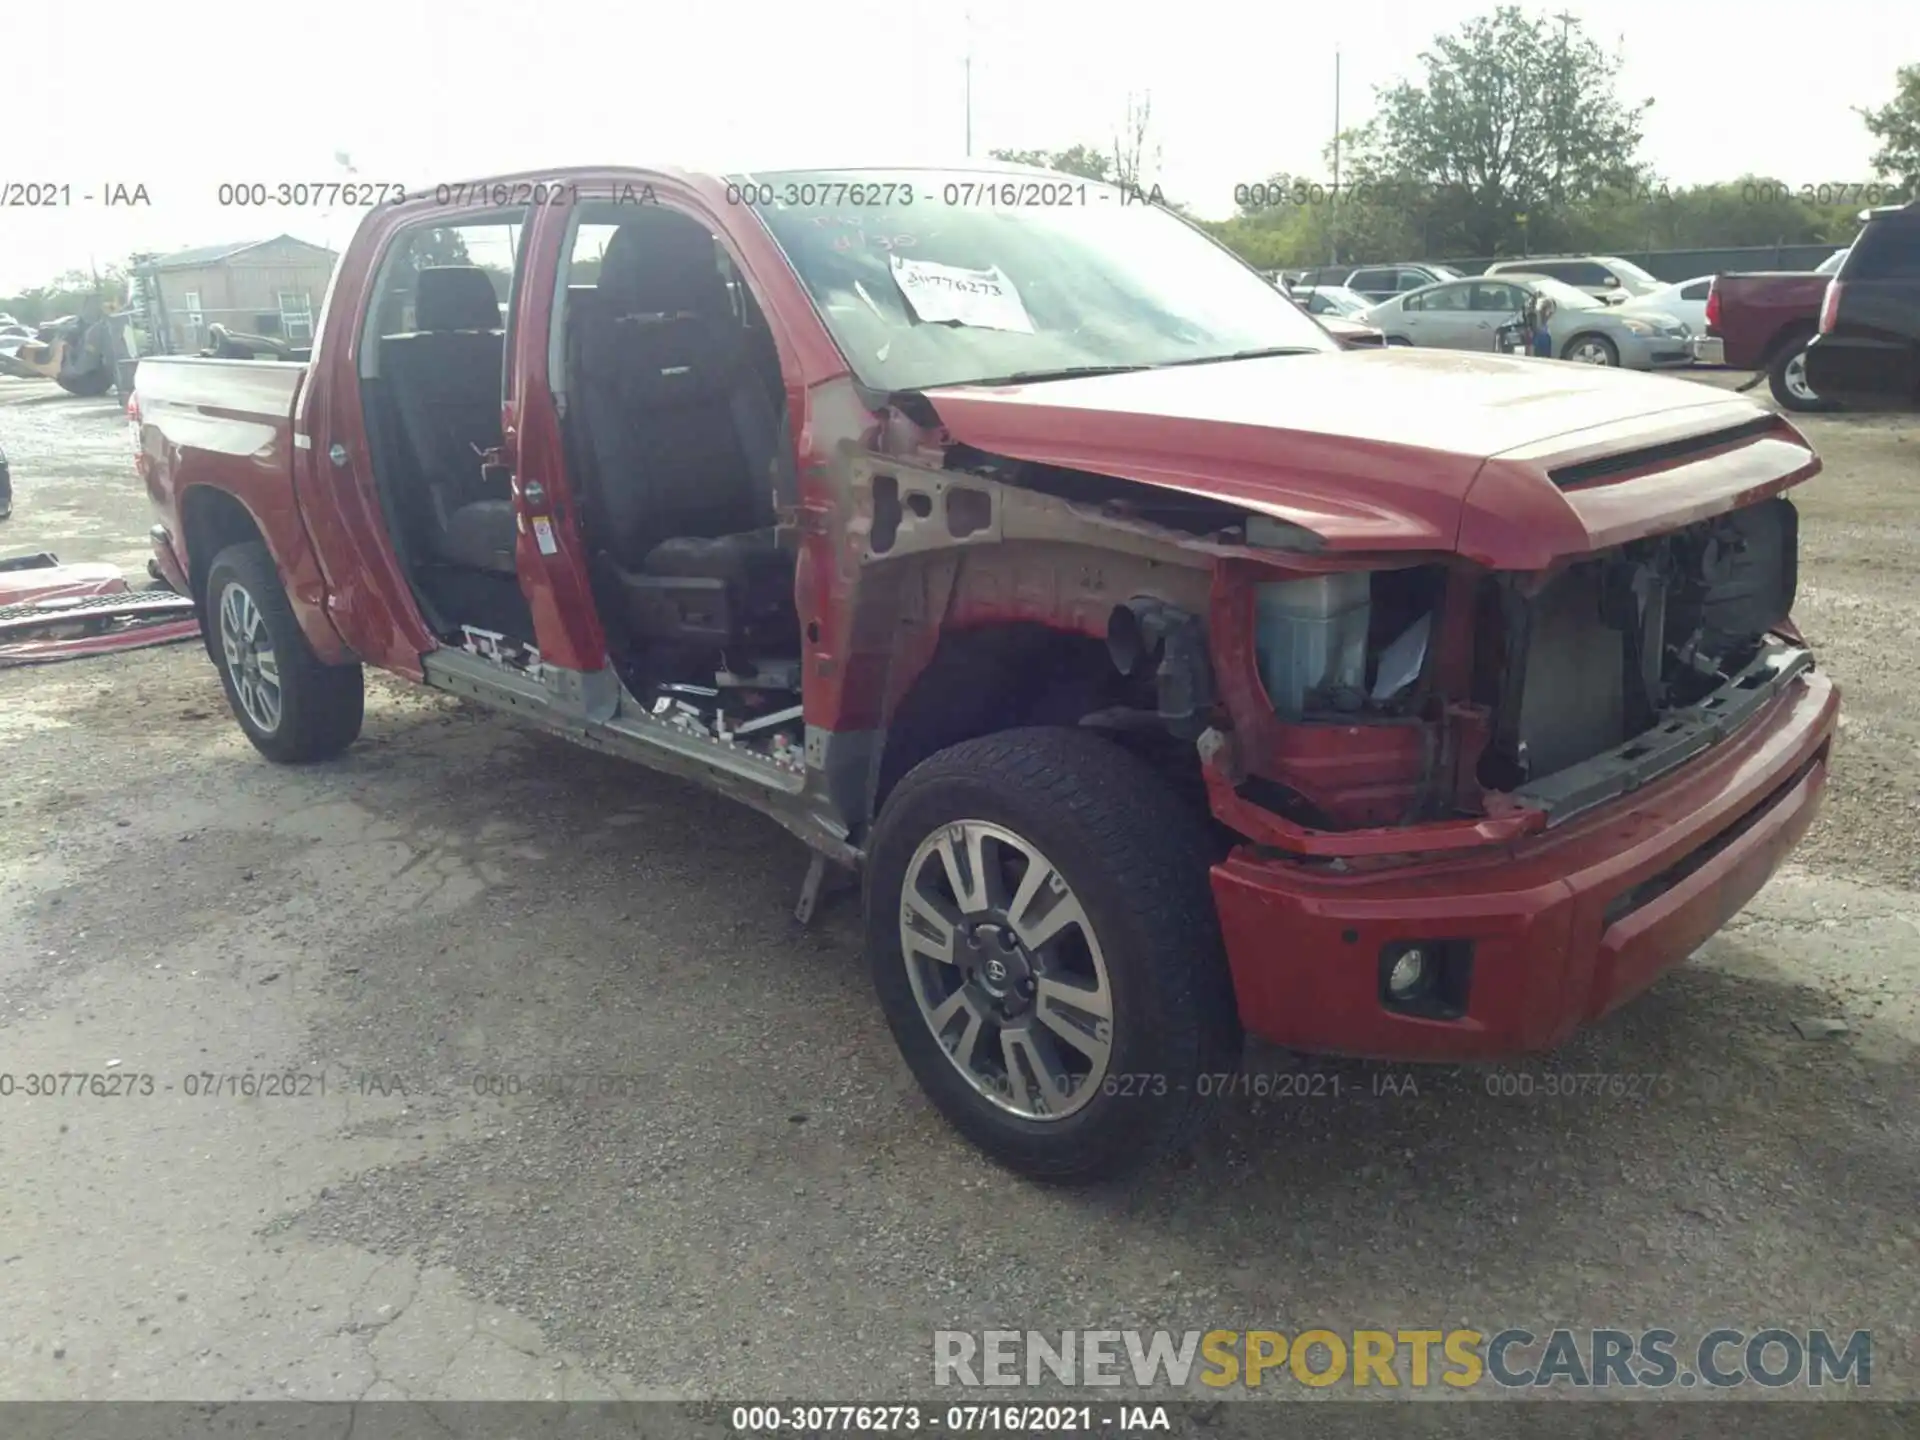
(1513, 462)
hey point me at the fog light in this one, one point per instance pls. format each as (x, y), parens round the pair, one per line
(1408, 975)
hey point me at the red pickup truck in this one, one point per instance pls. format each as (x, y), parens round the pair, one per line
(1170, 671)
(1764, 320)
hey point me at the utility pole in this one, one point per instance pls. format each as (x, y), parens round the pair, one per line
(1333, 230)
(969, 75)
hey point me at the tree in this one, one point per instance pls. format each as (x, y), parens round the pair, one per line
(1136, 156)
(440, 247)
(1129, 161)
(67, 294)
(1082, 160)
(1896, 125)
(1515, 122)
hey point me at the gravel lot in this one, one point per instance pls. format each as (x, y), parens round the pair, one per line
(770, 1209)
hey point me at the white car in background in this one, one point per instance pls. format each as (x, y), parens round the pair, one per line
(1686, 301)
(1605, 277)
(1331, 300)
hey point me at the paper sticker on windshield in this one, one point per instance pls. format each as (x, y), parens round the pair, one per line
(543, 535)
(948, 294)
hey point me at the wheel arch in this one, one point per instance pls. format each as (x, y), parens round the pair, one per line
(1012, 675)
(1790, 335)
(211, 519)
(988, 678)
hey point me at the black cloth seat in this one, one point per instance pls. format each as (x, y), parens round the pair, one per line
(685, 445)
(445, 383)
(724, 557)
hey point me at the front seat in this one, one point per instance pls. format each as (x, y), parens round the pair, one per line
(687, 449)
(445, 383)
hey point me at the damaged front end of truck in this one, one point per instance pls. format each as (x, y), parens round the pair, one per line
(1547, 630)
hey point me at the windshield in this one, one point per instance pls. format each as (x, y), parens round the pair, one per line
(933, 278)
(1561, 293)
(1341, 302)
(1638, 276)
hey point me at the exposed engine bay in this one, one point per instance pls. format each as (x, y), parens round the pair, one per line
(1612, 645)
(1574, 687)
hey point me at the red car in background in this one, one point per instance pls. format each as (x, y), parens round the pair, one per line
(1764, 321)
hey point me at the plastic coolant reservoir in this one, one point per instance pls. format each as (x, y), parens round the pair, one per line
(1312, 635)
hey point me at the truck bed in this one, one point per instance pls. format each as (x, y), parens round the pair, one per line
(1760, 309)
(211, 433)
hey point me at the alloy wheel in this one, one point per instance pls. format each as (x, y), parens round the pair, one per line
(1007, 970)
(251, 662)
(1795, 377)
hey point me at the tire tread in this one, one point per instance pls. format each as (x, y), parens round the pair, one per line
(1156, 854)
(322, 706)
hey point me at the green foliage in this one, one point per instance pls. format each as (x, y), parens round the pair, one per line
(1514, 124)
(66, 295)
(1514, 142)
(440, 247)
(1086, 161)
(1896, 125)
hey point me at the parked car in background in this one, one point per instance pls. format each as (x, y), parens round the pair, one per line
(1831, 265)
(1331, 300)
(1764, 321)
(1686, 302)
(1167, 682)
(1867, 354)
(1378, 282)
(1605, 277)
(1470, 314)
(1351, 333)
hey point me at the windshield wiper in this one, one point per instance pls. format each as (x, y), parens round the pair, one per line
(1065, 372)
(1259, 354)
(1074, 372)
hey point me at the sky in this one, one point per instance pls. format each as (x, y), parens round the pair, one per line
(421, 91)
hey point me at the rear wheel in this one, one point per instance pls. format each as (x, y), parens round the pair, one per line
(1787, 378)
(292, 707)
(1042, 936)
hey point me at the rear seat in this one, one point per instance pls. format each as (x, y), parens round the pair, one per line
(445, 384)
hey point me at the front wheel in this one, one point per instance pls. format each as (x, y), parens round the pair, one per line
(292, 707)
(1591, 350)
(1042, 936)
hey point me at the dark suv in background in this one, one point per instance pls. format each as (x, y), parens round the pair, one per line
(1867, 354)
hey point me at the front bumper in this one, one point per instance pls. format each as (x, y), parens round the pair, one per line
(1655, 352)
(1563, 926)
